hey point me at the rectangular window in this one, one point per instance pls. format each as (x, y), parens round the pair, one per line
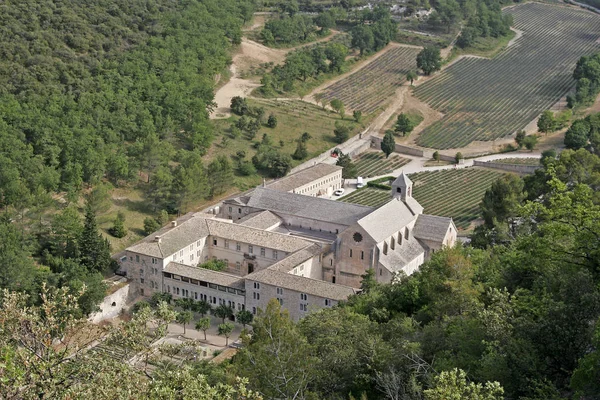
(238, 265)
(227, 244)
(181, 253)
(229, 209)
(280, 301)
(279, 290)
(275, 254)
(239, 210)
(215, 242)
(362, 255)
(327, 302)
(262, 251)
(195, 295)
(191, 257)
(141, 270)
(350, 252)
(303, 296)
(153, 260)
(238, 247)
(191, 246)
(256, 285)
(198, 243)
(250, 249)
(137, 258)
(198, 253)
(256, 296)
(177, 290)
(254, 310)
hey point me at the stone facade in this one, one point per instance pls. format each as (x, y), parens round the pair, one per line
(307, 252)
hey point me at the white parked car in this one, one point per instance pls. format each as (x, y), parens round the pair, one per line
(338, 192)
(359, 182)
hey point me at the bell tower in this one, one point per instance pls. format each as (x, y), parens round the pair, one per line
(402, 187)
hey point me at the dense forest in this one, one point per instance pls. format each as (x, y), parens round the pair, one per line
(102, 89)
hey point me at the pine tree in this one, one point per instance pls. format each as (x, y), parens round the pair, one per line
(388, 144)
(95, 250)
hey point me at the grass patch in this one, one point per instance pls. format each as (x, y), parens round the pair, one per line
(294, 117)
(488, 47)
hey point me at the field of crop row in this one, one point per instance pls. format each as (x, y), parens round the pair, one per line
(368, 197)
(374, 164)
(486, 99)
(371, 87)
(453, 193)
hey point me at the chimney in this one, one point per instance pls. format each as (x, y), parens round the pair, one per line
(157, 239)
(173, 224)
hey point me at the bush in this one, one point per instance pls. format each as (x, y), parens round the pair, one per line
(239, 105)
(272, 121)
(301, 152)
(341, 132)
(118, 230)
(246, 168)
(458, 157)
(150, 225)
(214, 265)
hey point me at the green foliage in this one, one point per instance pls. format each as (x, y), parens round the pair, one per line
(375, 32)
(272, 121)
(337, 106)
(225, 329)
(118, 229)
(288, 30)
(301, 152)
(388, 144)
(239, 105)
(203, 324)
(101, 86)
(220, 175)
(270, 160)
(546, 123)
(357, 115)
(404, 124)
(453, 385)
(184, 318)
(457, 157)
(17, 270)
(436, 156)
(587, 75)
(93, 248)
(214, 265)
(429, 60)
(577, 136)
(223, 311)
(341, 132)
(276, 349)
(520, 138)
(349, 170)
(151, 225)
(244, 317)
(411, 76)
(530, 141)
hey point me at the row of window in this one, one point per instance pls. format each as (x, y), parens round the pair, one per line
(203, 297)
(238, 247)
(204, 284)
(316, 185)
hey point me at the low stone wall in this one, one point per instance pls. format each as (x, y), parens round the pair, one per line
(451, 159)
(112, 305)
(519, 169)
(411, 151)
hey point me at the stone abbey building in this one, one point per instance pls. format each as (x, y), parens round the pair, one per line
(305, 251)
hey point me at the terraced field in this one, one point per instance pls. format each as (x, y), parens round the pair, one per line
(371, 87)
(374, 164)
(453, 193)
(486, 99)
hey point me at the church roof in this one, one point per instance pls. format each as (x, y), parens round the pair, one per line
(402, 180)
(313, 287)
(396, 260)
(206, 275)
(387, 220)
(432, 227)
(309, 207)
(261, 220)
(303, 177)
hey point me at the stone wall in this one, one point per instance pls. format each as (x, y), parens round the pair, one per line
(112, 305)
(411, 151)
(519, 169)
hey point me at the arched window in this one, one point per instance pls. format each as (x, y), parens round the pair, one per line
(385, 248)
(400, 238)
(406, 233)
(393, 243)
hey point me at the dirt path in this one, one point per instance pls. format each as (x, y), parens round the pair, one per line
(251, 54)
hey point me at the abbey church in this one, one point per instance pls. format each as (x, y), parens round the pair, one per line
(307, 252)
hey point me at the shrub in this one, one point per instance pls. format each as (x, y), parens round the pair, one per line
(118, 230)
(341, 132)
(150, 225)
(272, 121)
